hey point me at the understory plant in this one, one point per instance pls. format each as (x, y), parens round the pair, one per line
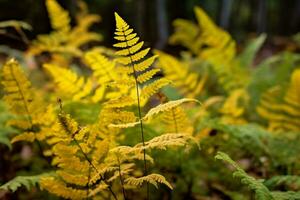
(130, 123)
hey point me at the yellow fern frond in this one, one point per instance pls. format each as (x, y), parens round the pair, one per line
(189, 83)
(120, 102)
(234, 107)
(27, 136)
(282, 107)
(153, 88)
(59, 188)
(69, 83)
(167, 140)
(167, 106)
(132, 56)
(176, 120)
(151, 178)
(103, 69)
(147, 75)
(59, 18)
(18, 94)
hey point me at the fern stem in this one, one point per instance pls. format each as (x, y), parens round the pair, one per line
(139, 111)
(121, 178)
(87, 185)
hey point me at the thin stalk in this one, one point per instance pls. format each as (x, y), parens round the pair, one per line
(87, 185)
(121, 178)
(139, 112)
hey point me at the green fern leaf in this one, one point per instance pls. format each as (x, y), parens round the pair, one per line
(27, 181)
(261, 191)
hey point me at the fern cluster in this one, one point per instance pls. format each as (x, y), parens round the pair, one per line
(122, 123)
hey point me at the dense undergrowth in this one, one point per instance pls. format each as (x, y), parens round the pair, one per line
(129, 122)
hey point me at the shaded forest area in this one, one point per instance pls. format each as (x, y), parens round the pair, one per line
(153, 19)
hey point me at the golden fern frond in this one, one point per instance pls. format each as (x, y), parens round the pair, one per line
(186, 34)
(189, 83)
(151, 178)
(64, 39)
(147, 75)
(167, 140)
(80, 33)
(221, 47)
(59, 18)
(26, 136)
(167, 106)
(154, 111)
(153, 88)
(19, 95)
(103, 69)
(132, 56)
(59, 188)
(120, 102)
(69, 83)
(234, 106)
(282, 107)
(176, 120)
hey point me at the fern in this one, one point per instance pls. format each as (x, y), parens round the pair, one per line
(151, 178)
(69, 82)
(64, 39)
(24, 102)
(167, 140)
(190, 83)
(167, 106)
(282, 113)
(27, 181)
(261, 191)
(132, 56)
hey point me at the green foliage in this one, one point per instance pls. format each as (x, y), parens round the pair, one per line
(261, 191)
(26, 181)
(5, 131)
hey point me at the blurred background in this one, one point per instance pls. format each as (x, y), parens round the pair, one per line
(153, 18)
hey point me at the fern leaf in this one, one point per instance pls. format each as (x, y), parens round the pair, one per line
(189, 83)
(261, 191)
(147, 75)
(281, 107)
(167, 106)
(153, 87)
(151, 178)
(176, 120)
(27, 181)
(167, 140)
(69, 83)
(59, 188)
(60, 19)
(27, 136)
(18, 93)
(103, 69)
